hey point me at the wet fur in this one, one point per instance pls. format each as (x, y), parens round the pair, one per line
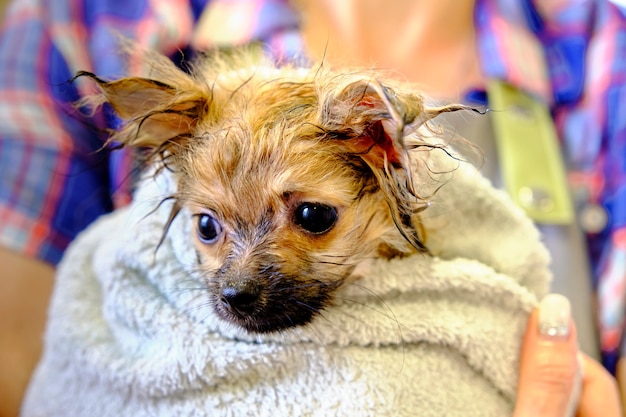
(249, 143)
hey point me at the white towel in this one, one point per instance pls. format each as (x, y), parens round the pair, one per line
(131, 333)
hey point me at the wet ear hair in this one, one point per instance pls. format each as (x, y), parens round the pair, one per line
(161, 111)
(380, 125)
(158, 116)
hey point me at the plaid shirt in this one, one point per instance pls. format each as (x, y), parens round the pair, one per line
(54, 181)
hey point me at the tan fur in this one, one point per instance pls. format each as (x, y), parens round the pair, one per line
(250, 144)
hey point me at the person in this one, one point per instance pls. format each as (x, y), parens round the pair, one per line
(55, 182)
(548, 367)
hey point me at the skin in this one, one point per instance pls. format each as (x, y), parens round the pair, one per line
(601, 394)
(621, 379)
(391, 34)
(547, 375)
(25, 289)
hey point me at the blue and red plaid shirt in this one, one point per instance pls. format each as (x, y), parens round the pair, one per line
(54, 181)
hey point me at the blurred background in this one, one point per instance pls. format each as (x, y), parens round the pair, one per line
(3, 4)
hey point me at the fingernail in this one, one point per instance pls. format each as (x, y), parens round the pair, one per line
(554, 316)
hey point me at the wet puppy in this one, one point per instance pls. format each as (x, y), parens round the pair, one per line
(293, 176)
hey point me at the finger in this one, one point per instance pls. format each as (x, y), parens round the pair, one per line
(600, 396)
(621, 381)
(548, 361)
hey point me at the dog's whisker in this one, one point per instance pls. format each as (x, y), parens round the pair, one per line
(300, 176)
(307, 285)
(391, 317)
(390, 313)
(192, 311)
(334, 263)
(320, 340)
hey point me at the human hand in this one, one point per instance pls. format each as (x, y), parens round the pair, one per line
(25, 288)
(551, 368)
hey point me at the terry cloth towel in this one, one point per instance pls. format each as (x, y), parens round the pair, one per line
(131, 333)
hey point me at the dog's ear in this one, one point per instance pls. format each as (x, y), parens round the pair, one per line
(376, 120)
(379, 125)
(155, 114)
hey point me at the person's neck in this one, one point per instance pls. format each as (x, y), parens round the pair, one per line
(429, 42)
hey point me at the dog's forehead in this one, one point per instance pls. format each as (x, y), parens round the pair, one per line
(266, 150)
(247, 175)
(262, 73)
(271, 166)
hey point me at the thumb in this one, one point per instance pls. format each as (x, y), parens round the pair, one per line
(549, 367)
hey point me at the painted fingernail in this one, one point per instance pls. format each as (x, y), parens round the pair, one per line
(554, 316)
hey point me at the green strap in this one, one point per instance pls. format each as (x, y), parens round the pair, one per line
(529, 154)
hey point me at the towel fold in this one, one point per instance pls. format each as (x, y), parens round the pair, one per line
(131, 331)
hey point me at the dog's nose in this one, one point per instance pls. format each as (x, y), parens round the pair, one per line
(240, 298)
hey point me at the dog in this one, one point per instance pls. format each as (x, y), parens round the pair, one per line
(304, 242)
(294, 176)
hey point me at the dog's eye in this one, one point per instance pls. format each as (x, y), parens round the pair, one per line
(208, 228)
(315, 218)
